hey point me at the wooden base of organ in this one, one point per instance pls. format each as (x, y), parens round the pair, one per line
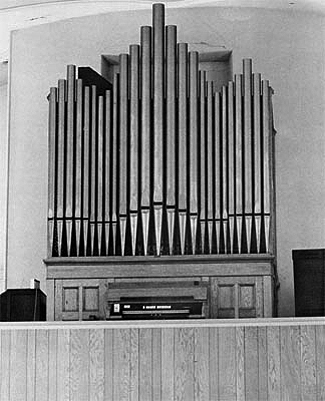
(161, 175)
(240, 286)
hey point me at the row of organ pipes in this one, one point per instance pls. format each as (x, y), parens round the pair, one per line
(161, 163)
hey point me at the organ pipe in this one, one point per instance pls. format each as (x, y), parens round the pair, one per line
(239, 160)
(171, 41)
(182, 139)
(134, 141)
(247, 71)
(107, 163)
(51, 166)
(160, 157)
(193, 144)
(78, 165)
(202, 156)
(86, 170)
(146, 149)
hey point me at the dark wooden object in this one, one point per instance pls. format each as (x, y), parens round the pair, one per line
(309, 276)
(22, 305)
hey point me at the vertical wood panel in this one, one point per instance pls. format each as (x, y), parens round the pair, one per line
(5, 365)
(227, 364)
(201, 364)
(167, 364)
(31, 366)
(290, 363)
(251, 363)
(96, 364)
(262, 364)
(240, 363)
(108, 364)
(79, 364)
(134, 364)
(274, 368)
(156, 363)
(18, 345)
(214, 363)
(320, 362)
(53, 347)
(63, 365)
(121, 361)
(42, 367)
(184, 364)
(308, 363)
(145, 364)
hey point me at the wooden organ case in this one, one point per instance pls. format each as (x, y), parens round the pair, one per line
(161, 184)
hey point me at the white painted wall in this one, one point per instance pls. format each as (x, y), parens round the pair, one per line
(287, 47)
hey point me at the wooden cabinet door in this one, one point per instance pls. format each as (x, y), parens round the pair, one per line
(236, 297)
(80, 299)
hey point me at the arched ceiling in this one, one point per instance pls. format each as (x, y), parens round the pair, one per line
(17, 14)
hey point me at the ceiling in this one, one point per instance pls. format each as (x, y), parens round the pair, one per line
(18, 14)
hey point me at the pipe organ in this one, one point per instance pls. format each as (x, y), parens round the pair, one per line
(159, 163)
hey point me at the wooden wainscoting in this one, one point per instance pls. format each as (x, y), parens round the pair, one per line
(260, 359)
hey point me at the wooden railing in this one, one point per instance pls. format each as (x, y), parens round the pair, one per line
(261, 359)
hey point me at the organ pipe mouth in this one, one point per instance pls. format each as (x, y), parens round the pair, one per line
(158, 161)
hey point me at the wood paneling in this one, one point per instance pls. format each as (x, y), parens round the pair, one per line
(167, 360)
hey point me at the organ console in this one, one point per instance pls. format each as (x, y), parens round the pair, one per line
(158, 163)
